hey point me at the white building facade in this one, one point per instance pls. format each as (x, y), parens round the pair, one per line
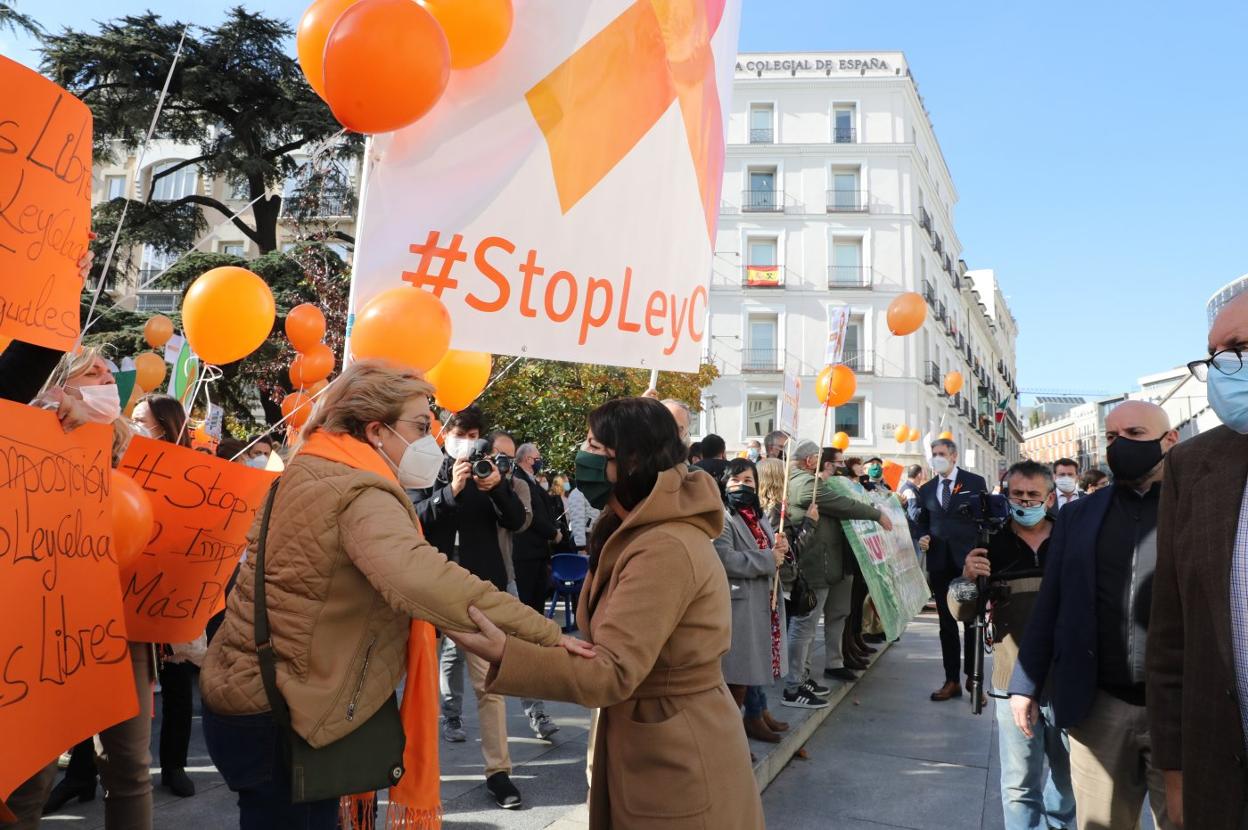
(836, 195)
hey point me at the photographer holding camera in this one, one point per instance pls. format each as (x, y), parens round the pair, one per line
(462, 514)
(1013, 563)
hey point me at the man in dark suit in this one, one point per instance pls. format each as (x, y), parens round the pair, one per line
(1084, 648)
(530, 554)
(1066, 479)
(1198, 634)
(949, 539)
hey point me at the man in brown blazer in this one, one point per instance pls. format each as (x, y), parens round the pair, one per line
(1198, 637)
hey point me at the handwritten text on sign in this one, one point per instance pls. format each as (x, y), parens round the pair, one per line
(45, 206)
(203, 508)
(64, 665)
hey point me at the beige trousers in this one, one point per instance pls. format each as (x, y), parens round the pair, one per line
(1111, 767)
(492, 717)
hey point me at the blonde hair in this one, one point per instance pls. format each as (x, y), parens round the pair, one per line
(122, 433)
(72, 364)
(770, 482)
(368, 391)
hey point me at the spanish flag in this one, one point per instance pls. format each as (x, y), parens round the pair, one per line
(762, 275)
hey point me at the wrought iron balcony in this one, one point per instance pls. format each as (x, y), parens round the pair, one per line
(762, 135)
(763, 201)
(929, 293)
(931, 374)
(760, 360)
(849, 276)
(862, 362)
(925, 220)
(844, 135)
(847, 201)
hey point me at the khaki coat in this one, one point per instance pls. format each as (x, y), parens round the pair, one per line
(347, 570)
(670, 753)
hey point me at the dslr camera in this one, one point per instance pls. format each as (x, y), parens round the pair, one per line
(484, 464)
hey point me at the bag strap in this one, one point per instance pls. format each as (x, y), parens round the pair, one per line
(264, 639)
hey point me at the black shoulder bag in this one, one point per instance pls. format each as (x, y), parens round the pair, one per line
(368, 758)
(802, 598)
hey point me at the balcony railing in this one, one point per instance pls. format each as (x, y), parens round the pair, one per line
(941, 314)
(760, 360)
(847, 201)
(157, 300)
(929, 293)
(925, 220)
(762, 201)
(844, 135)
(938, 244)
(763, 276)
(762, 135)
(862, 362)
(849, 276)
(931, 374)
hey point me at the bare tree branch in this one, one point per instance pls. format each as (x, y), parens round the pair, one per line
(223, 209)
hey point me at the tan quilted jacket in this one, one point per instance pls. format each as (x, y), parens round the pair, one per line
(346, 571)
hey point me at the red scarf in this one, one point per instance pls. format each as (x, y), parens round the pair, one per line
(415, 802)
(755, 526)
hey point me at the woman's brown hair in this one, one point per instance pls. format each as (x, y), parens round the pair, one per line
(368, 391)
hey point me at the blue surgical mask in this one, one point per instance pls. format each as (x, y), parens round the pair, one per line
(1028, 516)
(1228, 395)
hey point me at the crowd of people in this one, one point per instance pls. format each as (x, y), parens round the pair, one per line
(389, 557)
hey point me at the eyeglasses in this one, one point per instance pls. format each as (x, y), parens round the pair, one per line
(1026, 502)
(1227, 361)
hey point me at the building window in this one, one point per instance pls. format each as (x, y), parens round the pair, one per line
(176, 185)
(846, 195)
(114, 187)
(849, 419)
(846, 270)
(843, 130)
(762, 341)
(761, 195)
(857, 356)
(762, 124)
(762, 268)
(238, 249)
(760, 415)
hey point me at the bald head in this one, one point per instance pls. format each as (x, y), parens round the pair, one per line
(1139, 421)
(1230, 327)
(680, 411)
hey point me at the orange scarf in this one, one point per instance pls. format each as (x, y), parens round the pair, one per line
(415, 802)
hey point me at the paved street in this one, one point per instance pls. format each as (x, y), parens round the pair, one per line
(885, 757)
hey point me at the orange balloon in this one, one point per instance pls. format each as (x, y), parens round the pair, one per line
(149, 370)
(475, 29)
(435, 429)
(133, 519)
(227, 313)
(841, 441)
(906, 313)
(296, 409)
(946, 436)
(316, 387)
(311, 35)
(305, 326)
(914, 434)
(316, 364)
(387, 63)
(835, 385)
(157, 330)
(902, 434)
(459, 378)
(953, 383)
(403, 325)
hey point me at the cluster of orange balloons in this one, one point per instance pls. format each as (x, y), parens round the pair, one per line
(382, 64)
(836, 385)
(312, 366)
(227, 313)
(149, 367)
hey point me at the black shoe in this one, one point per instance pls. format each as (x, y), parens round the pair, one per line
(505, 793)
(842, 674)
(874, 638)
(66, 791)
(816, 689)
(799, 698)
(177, 782)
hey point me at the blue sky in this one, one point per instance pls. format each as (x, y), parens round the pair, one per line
(1098, 150)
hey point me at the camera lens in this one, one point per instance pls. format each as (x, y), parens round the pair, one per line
(482, 468)
(503, 463)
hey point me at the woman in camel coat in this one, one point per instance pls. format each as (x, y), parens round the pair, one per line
(670, 752)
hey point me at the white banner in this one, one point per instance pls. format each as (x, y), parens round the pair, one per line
(790, 403)
(838, 325)
(562, 198)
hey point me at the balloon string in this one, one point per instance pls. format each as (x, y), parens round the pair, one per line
(125, 208)
(204, 374)
(284, 419)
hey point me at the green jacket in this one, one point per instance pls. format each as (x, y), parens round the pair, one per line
(823, 560)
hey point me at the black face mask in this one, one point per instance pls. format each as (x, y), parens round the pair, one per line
(743, 498)
(1130, 461)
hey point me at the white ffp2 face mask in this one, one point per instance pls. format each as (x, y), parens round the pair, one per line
(420, 464)
(941, 465)
(103, 402)
(458, 448)
(1065, 484)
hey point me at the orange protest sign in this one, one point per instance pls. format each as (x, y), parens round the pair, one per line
(64, 665)
(203, 507)
(892, 474)
(45, 207)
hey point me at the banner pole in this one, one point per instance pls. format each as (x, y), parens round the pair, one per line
(654, 379)
(784, 515)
